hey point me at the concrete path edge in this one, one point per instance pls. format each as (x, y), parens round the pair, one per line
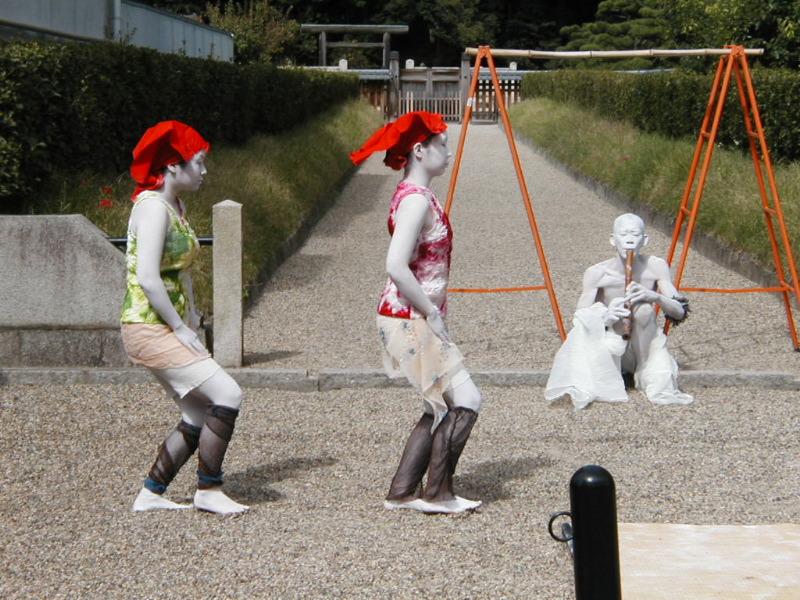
(302, 380)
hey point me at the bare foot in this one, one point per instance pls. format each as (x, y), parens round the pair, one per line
(147, 500)
(413, 504)
(456, 505)
(215, 501)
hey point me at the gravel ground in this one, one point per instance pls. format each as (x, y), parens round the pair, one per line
(318, 310)
(73, 459)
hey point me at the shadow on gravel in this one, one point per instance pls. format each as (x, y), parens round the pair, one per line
(486, 481)
(361, 198)
(252, 485)
(302, 270)
(254, 358)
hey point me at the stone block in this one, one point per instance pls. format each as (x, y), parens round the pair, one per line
(58, 271)
(228, 312)
(113, 353)
(9, 348)
(44, 348)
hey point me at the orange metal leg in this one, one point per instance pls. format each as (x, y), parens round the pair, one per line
(736, 64)
(484, 52)
(750, 105)
(702, 140)
(473, 86)
(498, 92)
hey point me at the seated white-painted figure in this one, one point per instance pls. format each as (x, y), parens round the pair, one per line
(590, 364)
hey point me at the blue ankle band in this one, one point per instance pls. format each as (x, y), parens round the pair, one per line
(154, 486)
(209, 480)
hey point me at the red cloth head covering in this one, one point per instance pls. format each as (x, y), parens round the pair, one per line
(399, 137)
(165, 143)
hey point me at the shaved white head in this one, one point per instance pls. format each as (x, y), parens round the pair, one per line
(626, 220)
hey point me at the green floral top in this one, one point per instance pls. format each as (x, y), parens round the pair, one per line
(180, 249)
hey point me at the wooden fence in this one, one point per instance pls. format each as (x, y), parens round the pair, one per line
(444, 90)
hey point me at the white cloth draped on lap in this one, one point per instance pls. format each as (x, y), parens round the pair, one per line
(587, 366)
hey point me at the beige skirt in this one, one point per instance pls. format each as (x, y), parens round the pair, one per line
(178, 369)
(413, 351)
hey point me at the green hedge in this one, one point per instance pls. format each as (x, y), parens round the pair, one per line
(84, 106)
(673, 103)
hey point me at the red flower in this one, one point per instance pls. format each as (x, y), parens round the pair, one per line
(106, 203)
(107, 190)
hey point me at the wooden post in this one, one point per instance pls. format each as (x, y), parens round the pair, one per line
(227, 282)
(323, 49)
(394, 84)
(429, 83)
(463, 82)
(387, 48)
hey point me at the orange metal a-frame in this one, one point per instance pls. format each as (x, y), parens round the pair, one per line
(735, 63)
(485, 52)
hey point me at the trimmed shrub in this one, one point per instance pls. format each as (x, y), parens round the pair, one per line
(84, 106)
(673, 103)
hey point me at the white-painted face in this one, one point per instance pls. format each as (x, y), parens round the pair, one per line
(435, 155)
(188, 177)
(628, 234)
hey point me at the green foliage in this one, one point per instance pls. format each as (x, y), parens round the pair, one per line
(620, 25)
(84, 106)
(673, 103)
(438, 29)
(770, 24)
(261, 31)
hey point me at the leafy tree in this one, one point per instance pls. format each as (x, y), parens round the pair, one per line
(438, 29)
(261, 31)
(621, 25)
(770, 24)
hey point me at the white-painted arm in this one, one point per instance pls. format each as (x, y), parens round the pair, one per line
(664, 297)
(616, 307)
(152, 223)
(193, 317)
(410, 217)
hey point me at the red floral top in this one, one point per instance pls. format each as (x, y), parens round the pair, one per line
(430, 262)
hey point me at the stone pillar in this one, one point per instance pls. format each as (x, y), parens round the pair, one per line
(114, 23)
(394, 84)
(464, 80)
(429, 83)
(227, 226)
(387, 48)
(323, 49)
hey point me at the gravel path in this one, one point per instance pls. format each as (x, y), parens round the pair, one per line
(317, 312)
(73, 458)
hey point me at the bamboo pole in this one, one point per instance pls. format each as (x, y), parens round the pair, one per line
(613, 53)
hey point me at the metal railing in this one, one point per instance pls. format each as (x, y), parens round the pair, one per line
(121, 242)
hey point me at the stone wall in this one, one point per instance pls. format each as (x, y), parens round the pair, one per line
(61, 290)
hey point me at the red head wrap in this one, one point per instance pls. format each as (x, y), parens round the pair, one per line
(165, 143)
(398, 138)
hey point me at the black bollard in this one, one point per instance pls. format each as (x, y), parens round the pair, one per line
(593, 508)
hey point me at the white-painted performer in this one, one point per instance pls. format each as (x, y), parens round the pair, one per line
(411, 316)
(590, 364)
(159, 321)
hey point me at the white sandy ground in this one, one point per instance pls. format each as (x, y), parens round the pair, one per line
(315, 467)
(318, 309)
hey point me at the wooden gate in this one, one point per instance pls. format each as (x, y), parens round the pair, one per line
(444, 90)
(396, 91)
(433, 89)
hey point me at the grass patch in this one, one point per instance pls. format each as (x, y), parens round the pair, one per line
(279, 180)
(652, 169)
